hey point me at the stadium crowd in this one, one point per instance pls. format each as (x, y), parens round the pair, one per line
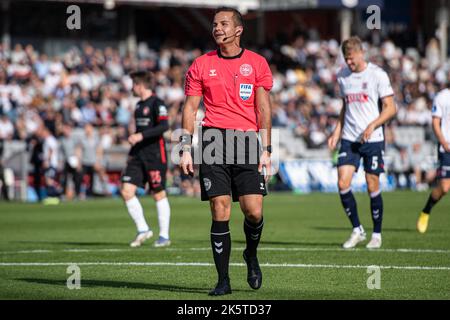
(88, 88)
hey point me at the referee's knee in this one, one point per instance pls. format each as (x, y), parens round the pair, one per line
(220, 209)
(253, 215)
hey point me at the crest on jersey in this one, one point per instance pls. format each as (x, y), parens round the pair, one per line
(364, 85)
(246, 69)
(146, 111)
(245, 91)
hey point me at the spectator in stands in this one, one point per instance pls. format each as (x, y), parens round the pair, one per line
(90, 159)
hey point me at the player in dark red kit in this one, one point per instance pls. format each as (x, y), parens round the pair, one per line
(147, 161)
(234, 83)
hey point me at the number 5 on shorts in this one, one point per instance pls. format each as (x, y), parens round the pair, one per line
(374, 163)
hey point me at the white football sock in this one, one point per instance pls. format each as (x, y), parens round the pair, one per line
(137, 214)
(359, 229)
(376, 235)
(163, 208)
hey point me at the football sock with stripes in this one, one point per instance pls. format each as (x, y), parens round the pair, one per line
(376, 207)
(349, 203)
(253, 233)
(221, 247)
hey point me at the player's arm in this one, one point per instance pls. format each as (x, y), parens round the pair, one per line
(162, 125)
(436, 122)
(388, 112)
(188, 121)
(265, 124)
(156, 131)
(336, 135)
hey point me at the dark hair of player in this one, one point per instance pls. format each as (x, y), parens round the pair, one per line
(143, 77)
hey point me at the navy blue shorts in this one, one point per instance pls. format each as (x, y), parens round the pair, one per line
(50, 173)
(372, 153)
(444, 165)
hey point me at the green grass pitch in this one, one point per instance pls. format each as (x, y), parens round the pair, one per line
(300, 251)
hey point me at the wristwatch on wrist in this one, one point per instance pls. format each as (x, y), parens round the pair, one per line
(268, 149)
(186, 148)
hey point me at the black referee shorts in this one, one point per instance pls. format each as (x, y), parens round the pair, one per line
(229, 173)
(140, 172)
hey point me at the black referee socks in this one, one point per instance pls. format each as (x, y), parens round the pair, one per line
(221, 247)
(253, 233)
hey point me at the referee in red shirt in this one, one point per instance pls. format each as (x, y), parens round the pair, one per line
(234, 83)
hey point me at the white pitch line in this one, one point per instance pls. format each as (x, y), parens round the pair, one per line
(206, 264)
(306, 249)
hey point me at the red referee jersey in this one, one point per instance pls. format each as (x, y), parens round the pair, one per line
(228, 86)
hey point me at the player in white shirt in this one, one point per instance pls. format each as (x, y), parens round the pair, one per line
(441, 128)
(363, 87)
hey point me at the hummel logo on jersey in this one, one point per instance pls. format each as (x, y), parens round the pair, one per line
(212, 73)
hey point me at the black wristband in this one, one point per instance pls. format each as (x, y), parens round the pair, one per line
(268, 149)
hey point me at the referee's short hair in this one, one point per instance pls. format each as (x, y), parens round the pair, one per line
(237, 16)
(143, 77)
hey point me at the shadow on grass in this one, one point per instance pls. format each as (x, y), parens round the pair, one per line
(123, 285)
(295, 243)
(81, 244)
(349, 229)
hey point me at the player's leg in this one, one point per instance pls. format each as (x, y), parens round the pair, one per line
(372, 154)
(443, 176)
(131, 179)
(252, 207)
(348, 163)
(436, 195)
(156, 177)
(51, 187)
(376, 208)
(163, 209)
(221, 242)
(345, 176)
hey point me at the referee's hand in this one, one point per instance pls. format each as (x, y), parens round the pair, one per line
(186, 164)
(265, 162)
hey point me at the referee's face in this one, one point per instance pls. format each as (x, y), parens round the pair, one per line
(224, 28)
